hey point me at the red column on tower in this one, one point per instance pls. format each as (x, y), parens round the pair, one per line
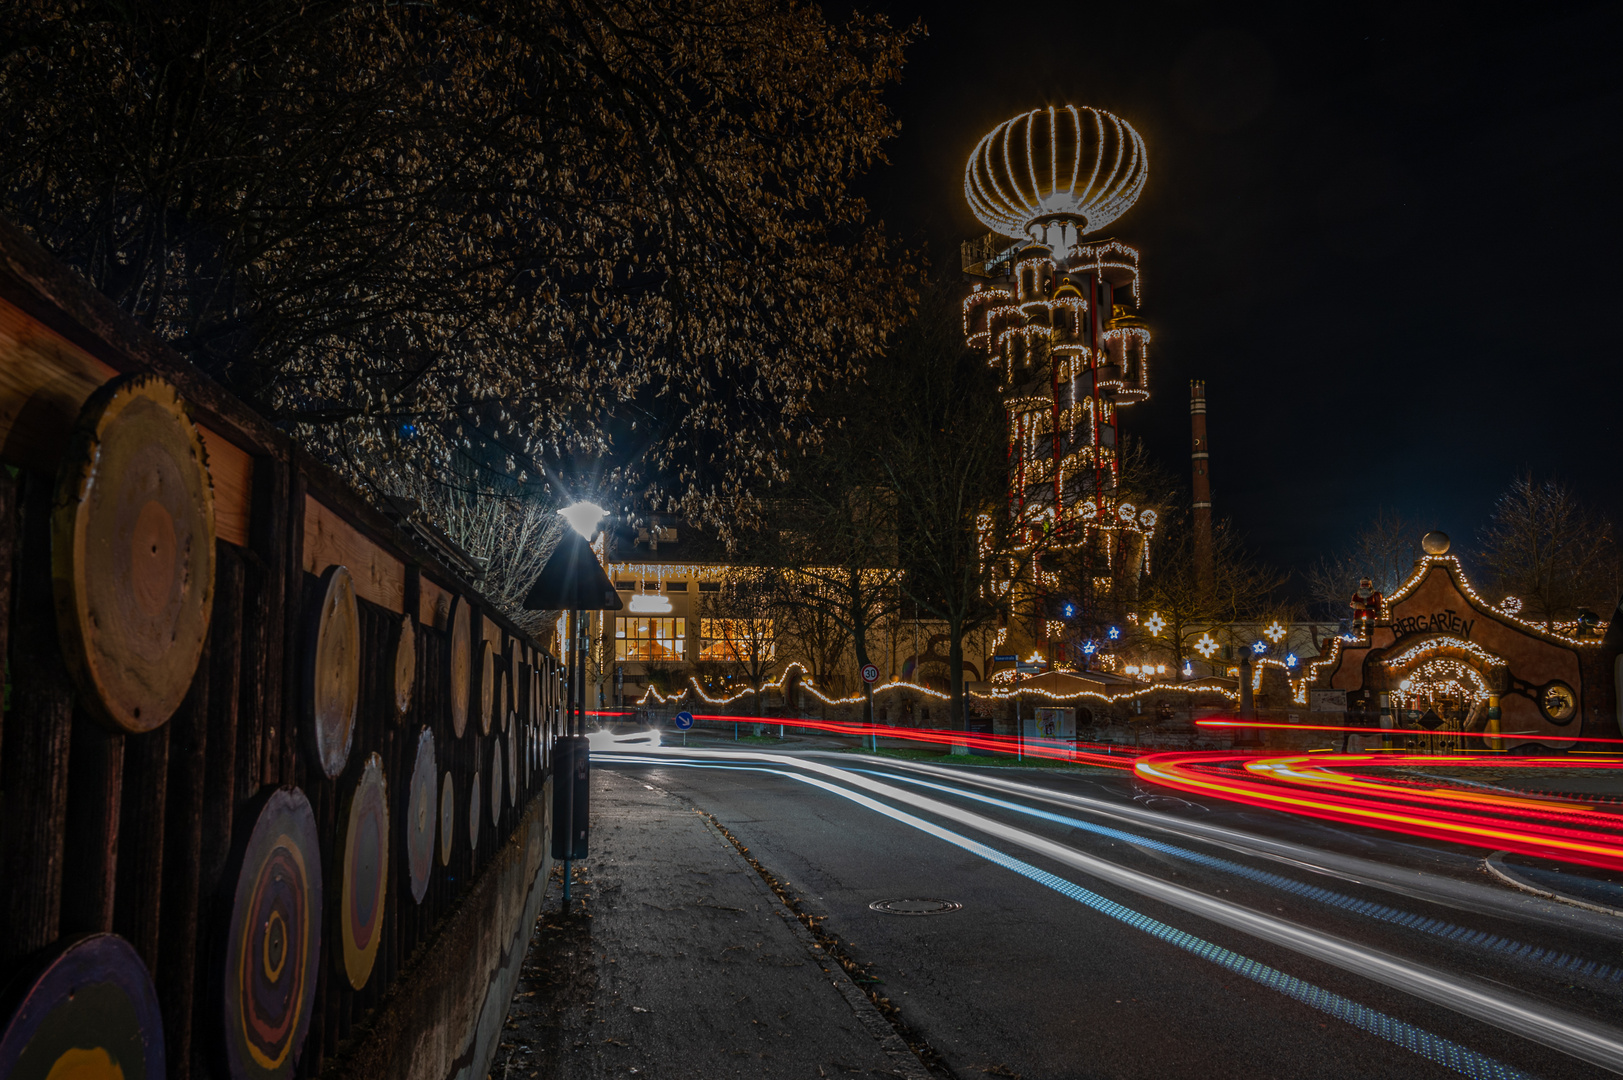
(1199, 459)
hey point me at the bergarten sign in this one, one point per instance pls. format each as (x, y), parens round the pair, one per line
(1447, 621)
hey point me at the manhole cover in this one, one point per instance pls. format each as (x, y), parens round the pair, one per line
(913, 906)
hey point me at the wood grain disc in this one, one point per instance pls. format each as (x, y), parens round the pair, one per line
(405, 665)
(496, 773)
(132, 552)
(474, 811)
(447, 819)
(332, 671)
(90, 1012)
(422, 815)
(273, 943)
(487, 686)
(365, 863)
(458, 658)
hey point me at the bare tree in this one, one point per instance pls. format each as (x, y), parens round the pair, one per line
(944, 451)
(508, 535)
(1555, 553)
(1383, 551)
(739, 625)
(1241, 589)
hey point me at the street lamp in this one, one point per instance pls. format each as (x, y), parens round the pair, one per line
(583, 517)
(573, 581)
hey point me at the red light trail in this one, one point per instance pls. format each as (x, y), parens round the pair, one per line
(1551, 828)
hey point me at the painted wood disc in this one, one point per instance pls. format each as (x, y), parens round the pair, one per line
(405, 665)
(273, 943)
(512, 762)
(447, 819)
(91, 1012)
(473, 814)
(422, 815)
(487, 686)
(496, 781)
(132, 552)
(332, 670)
(458, 657)
(365, 894)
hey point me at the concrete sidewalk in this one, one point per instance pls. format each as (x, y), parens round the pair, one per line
(676, 960)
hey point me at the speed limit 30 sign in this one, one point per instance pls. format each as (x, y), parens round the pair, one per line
(870, 673)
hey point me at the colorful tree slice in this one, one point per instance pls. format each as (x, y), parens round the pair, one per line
(473, 814)
(273, 942)
(457, 658)
(366, 871)
(422, 813)
(332, 671)
(132, 552)
(405, 665)
(496, 781)
(487, 686)
(512, 762)
(92, 1012)
(447, 819)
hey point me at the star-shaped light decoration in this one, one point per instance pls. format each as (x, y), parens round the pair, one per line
(1155, 624)
(1274, 631)
(1206, 646)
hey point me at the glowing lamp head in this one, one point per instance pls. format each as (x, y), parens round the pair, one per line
(1075, 167)
(583, 517)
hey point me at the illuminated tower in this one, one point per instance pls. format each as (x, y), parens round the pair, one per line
(1056, 313)
(1201, 480)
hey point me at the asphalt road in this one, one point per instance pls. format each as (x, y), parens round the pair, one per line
(1110, 931)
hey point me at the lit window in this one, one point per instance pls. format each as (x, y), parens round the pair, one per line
(736, 640)
(650, 639)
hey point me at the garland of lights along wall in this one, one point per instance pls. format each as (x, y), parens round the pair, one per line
(259, 745)
(1056, 315)
(1437, 646)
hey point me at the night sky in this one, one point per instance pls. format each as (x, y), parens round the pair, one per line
(1387, 238)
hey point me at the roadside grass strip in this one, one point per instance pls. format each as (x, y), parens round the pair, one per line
(1481, 939)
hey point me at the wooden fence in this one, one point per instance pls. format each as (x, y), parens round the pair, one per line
(162, 836)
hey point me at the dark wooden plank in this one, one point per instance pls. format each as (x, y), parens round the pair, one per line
(138, 902)
(286, 740)
(8, 554)
(263, 641)
(90, 827)
(225, 657)
(182, 917)
(36, 740)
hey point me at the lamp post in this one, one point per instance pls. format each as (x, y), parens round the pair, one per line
(572, 581)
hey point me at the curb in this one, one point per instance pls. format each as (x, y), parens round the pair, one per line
(1494, 864)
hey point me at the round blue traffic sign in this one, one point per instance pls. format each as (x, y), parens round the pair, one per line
(684, 720)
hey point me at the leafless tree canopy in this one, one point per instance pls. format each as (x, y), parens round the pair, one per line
(1384, 551)
(1546, 547)
(403, 228)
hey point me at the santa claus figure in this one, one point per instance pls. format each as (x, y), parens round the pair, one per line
(1366, 604)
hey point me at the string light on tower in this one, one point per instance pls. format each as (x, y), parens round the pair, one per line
(1056, 312)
